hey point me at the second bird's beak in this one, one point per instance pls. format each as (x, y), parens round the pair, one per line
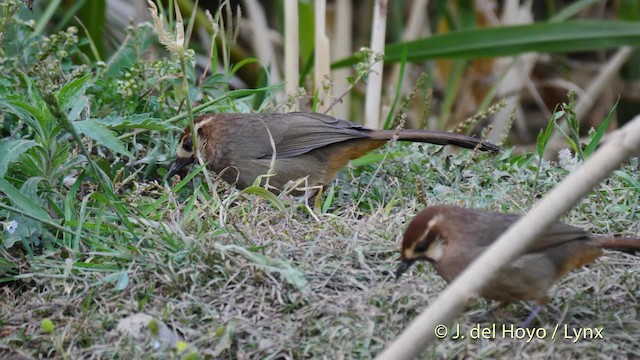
(178, 165)
(404, 266)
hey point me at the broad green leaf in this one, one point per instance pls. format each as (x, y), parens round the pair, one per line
(28, 105)
(20, 228)
(513, 40)
(11, 150)
(71, 96)
(136, 121)
(22, 202)
(101, 135)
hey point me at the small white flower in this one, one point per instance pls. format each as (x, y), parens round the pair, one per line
(11, 226)
(568, 160)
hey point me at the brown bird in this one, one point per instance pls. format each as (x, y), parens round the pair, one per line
(239, 147)
(452, 237)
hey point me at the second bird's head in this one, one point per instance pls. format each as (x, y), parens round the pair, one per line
(423, 240)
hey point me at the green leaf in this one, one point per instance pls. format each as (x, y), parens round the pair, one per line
(7, 267)
(11, 151)
(265, 194)
(403, 63)
(513, 40)
(101, 135)
(93, 16)
(572, 9)
(23, 202)
(306, 25)
(328, 200)
(215, 81)
(23, 229)
(595, 139)
(71, 96)
(372, 158)
(242, 63)
(544, 135)
(120, 278)
(163, 199)
(28, 105)
(628, 179)
(136, 121)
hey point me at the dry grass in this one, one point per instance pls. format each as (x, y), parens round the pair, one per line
(227, 304)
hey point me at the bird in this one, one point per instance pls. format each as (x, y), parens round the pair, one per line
(452, 237)
(239, 148)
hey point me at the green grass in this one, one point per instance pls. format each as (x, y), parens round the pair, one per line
(247, 278)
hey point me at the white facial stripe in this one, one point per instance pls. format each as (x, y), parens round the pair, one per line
(182, 153)
(434, 220)
(202, 123)
(436, 249)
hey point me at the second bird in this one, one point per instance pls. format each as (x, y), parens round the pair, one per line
(451, 238)
(239, 147)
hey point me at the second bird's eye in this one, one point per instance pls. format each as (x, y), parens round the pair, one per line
(187, 145)
(422, 246)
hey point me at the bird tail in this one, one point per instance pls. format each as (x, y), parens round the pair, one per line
(436, 137)
(620, 244)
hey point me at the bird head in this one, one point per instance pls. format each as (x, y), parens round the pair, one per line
(423, 240)
(185, 154)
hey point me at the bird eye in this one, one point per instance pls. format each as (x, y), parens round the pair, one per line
(187, 144)
(422, 246)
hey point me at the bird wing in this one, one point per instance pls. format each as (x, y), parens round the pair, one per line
(499, 222)
(559, 233)
(298, 133)
(293, 134)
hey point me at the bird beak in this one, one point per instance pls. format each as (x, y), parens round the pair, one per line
(404, 266)
(178, 165)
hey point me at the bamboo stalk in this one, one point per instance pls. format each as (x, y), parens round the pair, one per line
(291, 49)
(262, 44)
(341, 41)
(322, 57)
(374, 85)
(418, 22)
(517, 72)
